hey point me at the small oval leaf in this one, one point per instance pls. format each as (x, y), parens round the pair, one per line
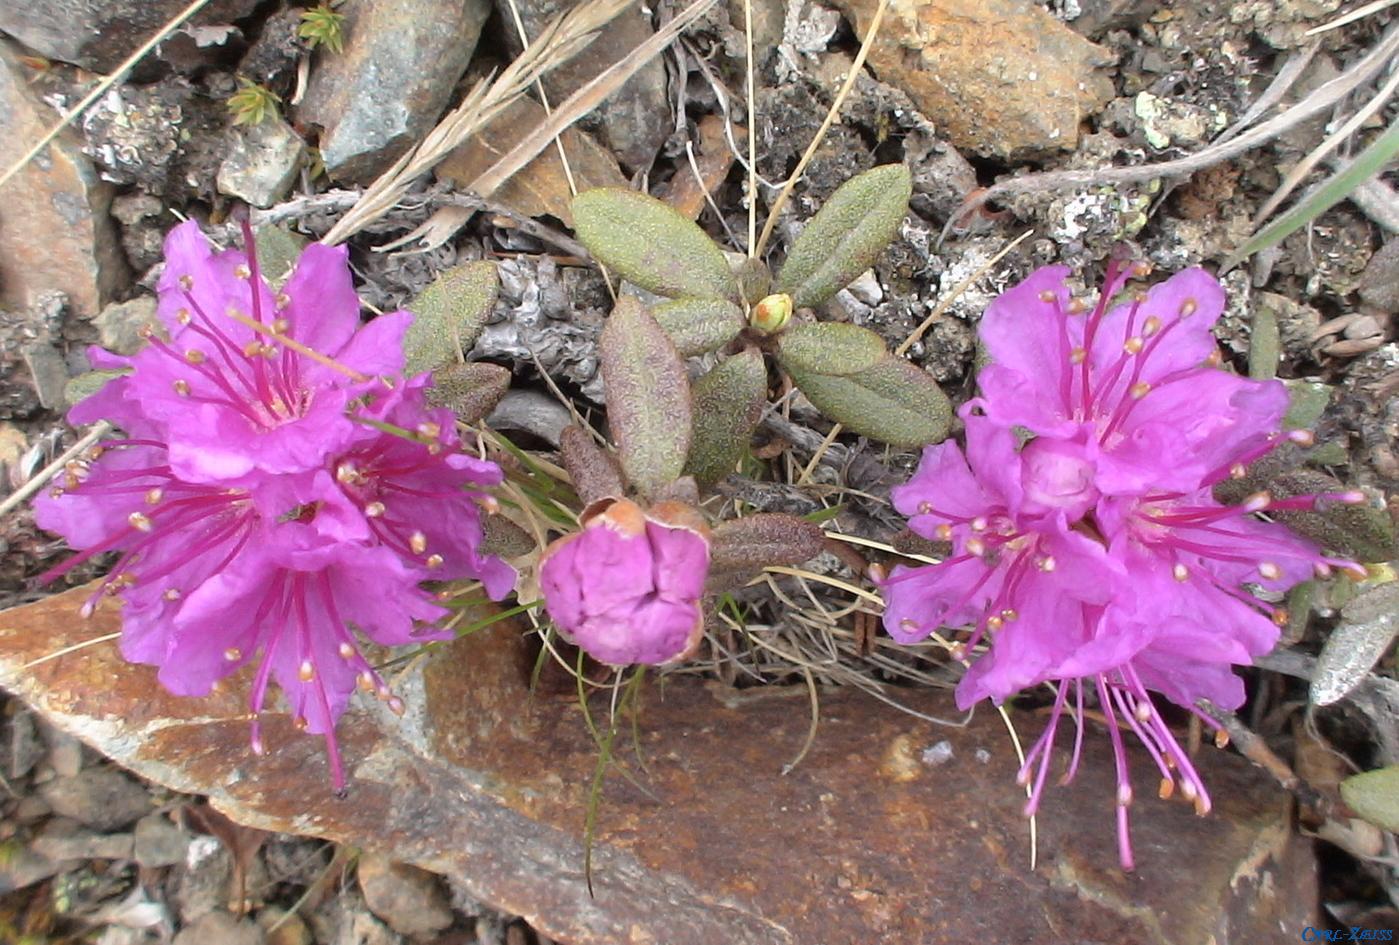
(847, 235)
(728, 403)
(834, 349)
(648, 396)
(698, 326)
(1374, 795)
(893, 401)
(595, 475)
(449, 314)
(470, 390)
(649, 244)
(767, 538)
(1368, 625)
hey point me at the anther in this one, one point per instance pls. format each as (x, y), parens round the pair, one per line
(908, 625)
(944, 532)
(366, 681)
(489, 503)
(1188, 308)
(1139, 390)
(1166, 789)
(233, 654)
(975, 546)
(994, 623)
(1280, 617)
(187, 282)
(433, 561)
(374, 510)
(146, 332)
(139, 521)
(153, 496)
(1257, 502)
(194, 356)
(1077, 306)
(1048, 295)
(1237, 471)
(1151, 326)
(1180, 572)
(181, 387)
(418, 542)
(1269, 570)
(306, 672)
(1009, 615)
(1302, 437)
(1078, 355)
(396, 705)
(183, 316)
(172, 594)
(875, 571)
(1215, 358)
(242, 271)
(252, 349)
(958, 651)
(301, 723)
(281, 326)
(1133, 345)
(924, 508)
(283, 300)
(1142, 710)
(1140, 269)
(1221, 738)
(979, 524)
(347, 652)
(1124, 795)
(1047, 563)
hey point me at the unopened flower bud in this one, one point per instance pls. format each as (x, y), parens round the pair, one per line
(772, 313)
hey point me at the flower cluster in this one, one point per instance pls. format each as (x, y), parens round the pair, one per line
(1086, 546)
(277, 482)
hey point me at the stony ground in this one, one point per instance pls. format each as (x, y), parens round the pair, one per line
(88, 853)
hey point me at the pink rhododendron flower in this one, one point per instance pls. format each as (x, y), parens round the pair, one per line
(626, 588)
(327, 500)
(1087, 548)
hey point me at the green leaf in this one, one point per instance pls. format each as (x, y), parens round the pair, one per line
(1368, 625)
(728, 403)
(847, 235)
(893, 401)
(834, 349)
(278, 249)
(1374, 795)
(1362, 531)
(698, 326)
(648, 396)
(1307, 401)
(649, 244)
(1339, 186)
(595, 475)
(470, 390)
(1263, 344)
(757, 541)
(449, 314)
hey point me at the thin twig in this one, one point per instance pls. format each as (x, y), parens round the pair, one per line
(1287, 76)
(42, 477)
(831, 116)
(101, 87)
(1318, 101)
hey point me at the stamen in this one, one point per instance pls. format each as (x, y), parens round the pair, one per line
(1139, 390)
(1180, 572)
(242, 271)
(374, 509)
(418, 542)
(979, 524)
(1047, 563)
(1188, 308)
(944, 532)
(181, 387)
(434, 561)
(233, 654)
(172, 594)
(194, 356)
(187, 282)
(1048, 295)
(347, 652)
(1078, 355)
(1166, 789)
(306, 672)
(1151, 326)
(1269, 570)
(153, 496)
(975, 546)
(139, 522)
(1133, 345)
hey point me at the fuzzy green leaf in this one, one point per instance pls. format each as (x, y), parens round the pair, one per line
(649, 244)
(728, 402)
(698, 326)
(893, 401)
(648, 396)
(278, 249)
(88, 383)
(1374, 795)
(470, 390)
(1264, 343)
(1368, 625)
(1362, 532)
(756, 541)
(847, 235)
(449, 314)
(835, 349)
(1306, 402)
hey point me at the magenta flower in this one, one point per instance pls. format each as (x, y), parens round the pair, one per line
(626, 588)
(326, 505)
(1087, 548)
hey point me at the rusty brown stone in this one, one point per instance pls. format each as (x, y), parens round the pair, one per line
(55, 231)
(863, 841)
(1000, 78)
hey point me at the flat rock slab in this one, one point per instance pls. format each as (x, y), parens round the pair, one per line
(865, 840)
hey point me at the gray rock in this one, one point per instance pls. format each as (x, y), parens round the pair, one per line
(47, 372)
(202, 884)
(54, 229)
(119, 325)
(100, 797)
(1379, 283)
(158, 842)
(375, 100)
(410, 900)
(24, 750)
(65, 753)
(21, 866)
(261, 166)
(220, 928)
(532, 411)
(63, 840)
(635, 120)
(99, 34)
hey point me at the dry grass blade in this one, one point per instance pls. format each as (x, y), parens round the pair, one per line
(42, 477)
(101, 88)
(585, 100)
(1319, 153)
(831, 116)
(562, 39)
(1287, 77)
(1322, 98)
(1358, 13)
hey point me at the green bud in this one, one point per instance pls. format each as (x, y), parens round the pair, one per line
(772, 313)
